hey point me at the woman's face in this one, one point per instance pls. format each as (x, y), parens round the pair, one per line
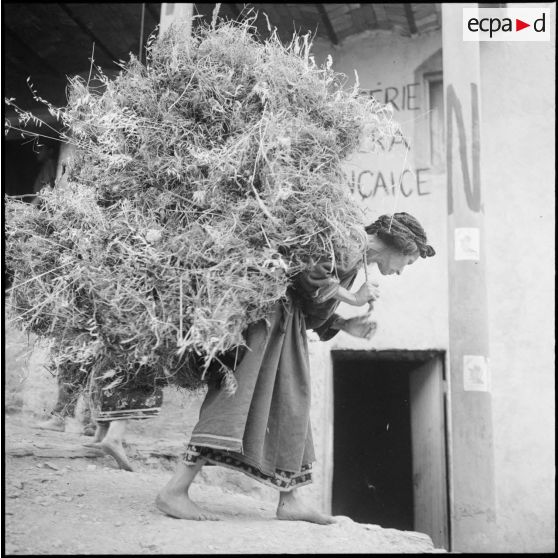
(393, 261)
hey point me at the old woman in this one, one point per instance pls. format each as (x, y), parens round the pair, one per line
(264, 429)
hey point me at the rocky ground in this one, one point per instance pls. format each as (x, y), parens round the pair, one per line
(62, 498)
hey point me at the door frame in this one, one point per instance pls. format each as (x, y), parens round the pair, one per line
(431, 472)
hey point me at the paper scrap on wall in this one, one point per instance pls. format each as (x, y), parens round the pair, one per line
(467, 244)
(476, 374)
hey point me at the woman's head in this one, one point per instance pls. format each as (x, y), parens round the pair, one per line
(396, 241)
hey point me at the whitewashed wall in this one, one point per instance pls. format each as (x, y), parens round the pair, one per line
(518, 119)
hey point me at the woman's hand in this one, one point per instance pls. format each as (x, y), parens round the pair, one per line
(368, 291)
(360, 326)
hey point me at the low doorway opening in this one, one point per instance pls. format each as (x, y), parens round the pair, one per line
(389, 441)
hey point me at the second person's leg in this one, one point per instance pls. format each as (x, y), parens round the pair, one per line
(111, 444)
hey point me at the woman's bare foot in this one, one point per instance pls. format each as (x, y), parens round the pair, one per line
(53, 423)
(174, 499)
(290, 508)
(180, 506)
(114, 448)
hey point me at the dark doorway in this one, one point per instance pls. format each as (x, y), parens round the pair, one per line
(373, 474)
(390, 463)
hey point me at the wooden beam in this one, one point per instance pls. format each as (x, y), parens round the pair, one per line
(25, 47)
(88, 32)
(419, 356)
(438, 11)
(381, 16)
(142, 32)
(410, 18)
(327, 24)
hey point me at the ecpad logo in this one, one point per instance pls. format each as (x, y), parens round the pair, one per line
(506, 24)
(494, 24)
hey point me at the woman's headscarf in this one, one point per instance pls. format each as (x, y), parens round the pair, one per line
(403, 232)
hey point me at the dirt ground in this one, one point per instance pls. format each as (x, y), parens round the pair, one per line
(62, 498)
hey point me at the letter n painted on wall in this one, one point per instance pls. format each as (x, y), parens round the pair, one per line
(471, 177)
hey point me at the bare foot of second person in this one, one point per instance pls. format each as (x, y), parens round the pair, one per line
(88, 430)
(55, 423)
(115, 449)
(100, 432)
(110, 436)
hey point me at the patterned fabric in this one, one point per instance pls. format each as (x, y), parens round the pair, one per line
(282, 480)
(130, 401)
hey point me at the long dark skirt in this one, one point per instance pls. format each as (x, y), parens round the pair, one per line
(263, 429)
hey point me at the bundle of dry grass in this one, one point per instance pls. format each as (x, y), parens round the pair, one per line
(203, 182)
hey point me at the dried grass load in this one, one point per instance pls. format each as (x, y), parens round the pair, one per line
(203, 181)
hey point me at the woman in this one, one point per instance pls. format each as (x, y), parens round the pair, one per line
(264, 429)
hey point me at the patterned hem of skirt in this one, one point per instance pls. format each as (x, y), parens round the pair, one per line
(281, 480)
(132, 414)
